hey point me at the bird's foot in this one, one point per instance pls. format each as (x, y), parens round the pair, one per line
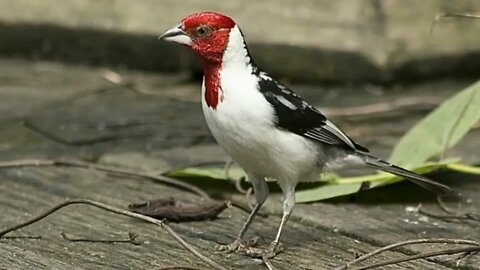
(229, 247)
(238, 245)
(273, 249)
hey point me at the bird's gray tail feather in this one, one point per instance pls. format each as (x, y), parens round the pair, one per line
(409, 175)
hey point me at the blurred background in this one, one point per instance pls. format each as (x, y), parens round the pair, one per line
(90, 79)
(313, 41)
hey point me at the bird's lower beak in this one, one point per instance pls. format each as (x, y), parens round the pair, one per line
(176, 34)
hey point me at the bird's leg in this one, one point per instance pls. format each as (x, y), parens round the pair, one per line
(275, 247)
(239, 240)
(260, 189)
(288, 204)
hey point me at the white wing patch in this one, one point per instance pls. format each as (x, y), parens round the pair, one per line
(264, 76)
(287, 103)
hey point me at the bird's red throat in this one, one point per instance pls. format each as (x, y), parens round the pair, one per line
(213, 89)
(211, 53)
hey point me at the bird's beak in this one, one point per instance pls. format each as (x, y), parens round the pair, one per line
(176, 34)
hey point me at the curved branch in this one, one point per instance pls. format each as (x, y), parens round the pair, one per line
(119, 211)
(409, 242)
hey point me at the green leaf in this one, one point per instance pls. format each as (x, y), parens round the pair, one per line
(332, 185)
(464, 168)
(349, 185)
(324, 192)
(440, 130)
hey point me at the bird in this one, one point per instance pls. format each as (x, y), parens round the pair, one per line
(265, 127)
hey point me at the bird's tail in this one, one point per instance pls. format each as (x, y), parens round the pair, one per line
(409, 175)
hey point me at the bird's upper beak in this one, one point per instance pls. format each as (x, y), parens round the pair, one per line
(178, 35)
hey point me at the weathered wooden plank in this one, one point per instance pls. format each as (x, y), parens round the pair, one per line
(31, 190)
(319, 236)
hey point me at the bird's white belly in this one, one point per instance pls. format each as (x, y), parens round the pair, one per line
(246, 144)
(249, 136)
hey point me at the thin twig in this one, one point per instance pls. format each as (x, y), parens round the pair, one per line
(268, 263)
(81, 164)
(445, 218)
(452, 215)
(443, 206)
(22, 237)
(382, 107)
(408, 242)
(119, 211)
(132, 238)
(464, 256)
(420, 256)
(443, 15)
(449, 210)
(178, 268)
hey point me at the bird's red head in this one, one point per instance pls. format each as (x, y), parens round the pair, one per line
(207, 33)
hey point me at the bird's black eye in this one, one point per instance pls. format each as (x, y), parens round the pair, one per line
(203, 31)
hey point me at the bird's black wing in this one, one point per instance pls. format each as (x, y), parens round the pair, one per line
(297, 116)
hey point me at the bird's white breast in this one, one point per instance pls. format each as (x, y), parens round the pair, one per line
(243, 123)
(240, 122)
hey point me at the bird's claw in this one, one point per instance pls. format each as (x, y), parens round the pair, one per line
(273, 249)
(230, 247)
(237, 245)
(249, 248)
